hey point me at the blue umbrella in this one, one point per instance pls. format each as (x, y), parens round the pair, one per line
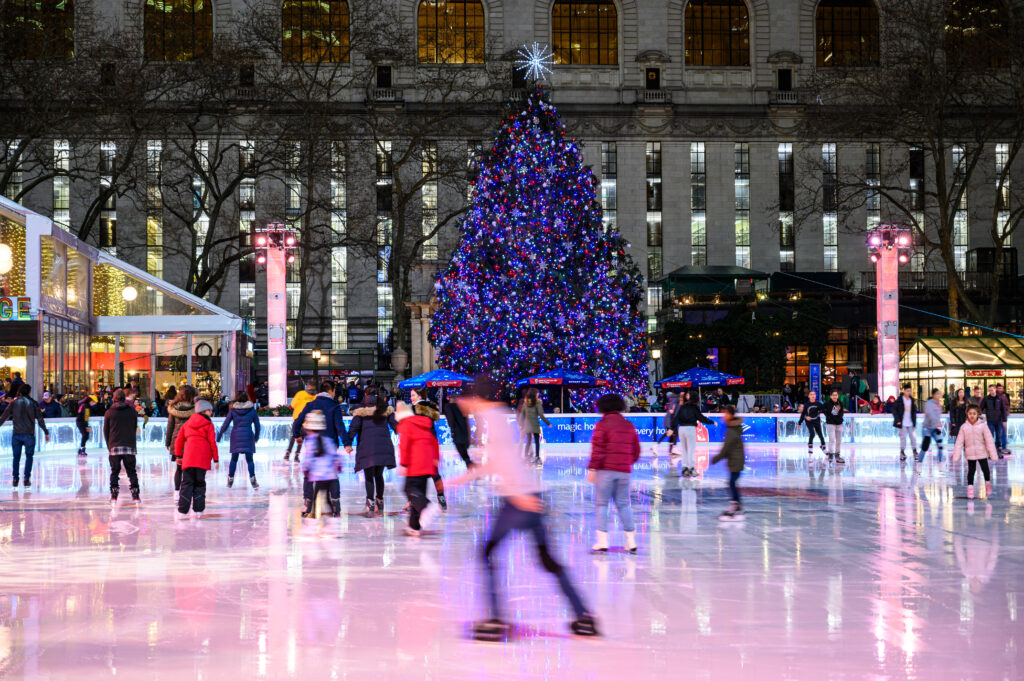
(439, 378)
(699, 377)
(563, 378)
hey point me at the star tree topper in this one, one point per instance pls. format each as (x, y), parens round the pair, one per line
(536, 60)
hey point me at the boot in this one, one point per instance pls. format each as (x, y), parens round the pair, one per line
(988, 489)
(840, 459)
(601, 545)
(369, 508)
(252, 481)
(970, 491)
(631, 542)
(903, 455)
(114, 491)
(307, 508)
(287, 456)
(135, 495)
(15, 481)
(28, 481)
(379, 511)
(335, 506)
(231, 481)
(442, 502)
(296, 457)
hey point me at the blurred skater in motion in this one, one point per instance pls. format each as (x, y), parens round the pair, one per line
(419, 454)
(671, 404)
(321, 465)
(834, 413)
(245, 433)
(684, 422)
(732, 452)
(614, 448)
(931, 429)
(522, 509)
(976, 444)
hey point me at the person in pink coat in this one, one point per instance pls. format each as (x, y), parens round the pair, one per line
(975, 442)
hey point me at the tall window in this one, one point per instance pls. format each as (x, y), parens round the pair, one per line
(246, 225)
(917, 193)
(830, 207)
(716, 33)
(385, 295)
(201, 225)
(787, 201)
(654, 236)
(11, 150)
(960, 223)
(428, 212)
(698, 205)
(609, 172)
(39, 29)
(873, 177)
(108, 213)
(741, 158)
(315, 31)
(154, 208)
(178, 30)
(339, 254)
(62, 183)
(1003, 191)
(451, 32)
(977, 34)
(585, 32)
(847, 33)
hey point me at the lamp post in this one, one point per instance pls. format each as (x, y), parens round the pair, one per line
(274, 246)
(656, 356)
(888, 248)
(316, 355)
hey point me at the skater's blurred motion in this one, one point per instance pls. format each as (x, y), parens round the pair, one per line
(320, 465)
(732, 452)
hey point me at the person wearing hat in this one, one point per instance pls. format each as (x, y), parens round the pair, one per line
(299, 402)
(196, 447)
(320, 465)
(51, 407)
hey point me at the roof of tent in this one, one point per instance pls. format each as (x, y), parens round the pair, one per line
(966, 352)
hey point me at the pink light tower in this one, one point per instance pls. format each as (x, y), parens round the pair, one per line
(275, 245)
(888, 248)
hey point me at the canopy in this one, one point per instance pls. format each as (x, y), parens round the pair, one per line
(439, 378)
(699, 377)
(563, 378)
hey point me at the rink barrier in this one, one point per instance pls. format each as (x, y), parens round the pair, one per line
(564, 429)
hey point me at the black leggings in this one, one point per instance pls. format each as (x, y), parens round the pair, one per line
(374, 477)
(85, 438)
(814, 426)
(536, 444)
(972, 466)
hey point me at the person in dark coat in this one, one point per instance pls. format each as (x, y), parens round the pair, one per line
(373, 424)
(82, 414)
(120, 428)
(324, 402)
(995, 411)
(23, 412)
(177, 414)
(245, 433)
(51, 407)
(957, 412)
(732, 452)
(458, 426)
(904, 420)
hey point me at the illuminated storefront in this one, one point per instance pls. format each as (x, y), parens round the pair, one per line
(72, 317)
(941, 362)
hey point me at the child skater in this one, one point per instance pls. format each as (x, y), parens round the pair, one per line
(195, 446)
(931, 429)
(521, 508)
(976, 444)
(418, 455)
(321, 465)
(82, 421)
(614, 448)
(732, 450)
(834, 413)
(245, 433)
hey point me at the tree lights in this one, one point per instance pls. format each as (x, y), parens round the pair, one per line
(537, 282)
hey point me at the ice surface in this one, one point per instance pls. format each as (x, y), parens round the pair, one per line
(867, 572)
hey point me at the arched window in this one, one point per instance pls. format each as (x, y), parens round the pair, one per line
(451, 32)
(977, 34)
(716, 33)
(39, 29)
(585, 32)
(847, 33)
(178, 30)
(315, 31)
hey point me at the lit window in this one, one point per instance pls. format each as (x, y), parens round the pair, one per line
(716, 33)
(315, 31)
(585, 32)
(847, 33)
(39, 29)
(451, 32)
(178, 30)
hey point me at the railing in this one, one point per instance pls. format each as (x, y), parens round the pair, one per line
(934, 281)
(656, 97)
(785, 97)
(385, 94)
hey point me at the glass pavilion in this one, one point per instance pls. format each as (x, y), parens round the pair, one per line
(957, 362)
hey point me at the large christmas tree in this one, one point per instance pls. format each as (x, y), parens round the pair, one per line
(537, 282)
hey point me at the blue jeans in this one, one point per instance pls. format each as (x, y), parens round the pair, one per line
(614, 486)
(248, 462)
(998, 431)
(20, 441)
(511, 518)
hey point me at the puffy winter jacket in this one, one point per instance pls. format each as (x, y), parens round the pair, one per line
(897, 412)
(932, 415)
(23, 413)
(732, 447)
(196, 443)
(299, 402)
(177, 414)
(957, 417)
(320, 459)
(975, 442)
(374, 446)
(245, 427)
(993, 408)
(614, 445)
(326, 404)
(119, 425)
(51, 409)
(417, 445)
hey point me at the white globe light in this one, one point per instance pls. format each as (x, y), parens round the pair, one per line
(3, 362)
(129, 293)
(6, 259)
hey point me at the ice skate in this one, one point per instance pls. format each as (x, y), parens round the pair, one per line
(601, 544)
(429, 516)
(252, 481)
(734, 513)
(368, 513)
(988, 489)
(379, 510)
(442, 502)
(287, 456)
(839, 459)
(28, 481)
(970, 491)
(231, 481)
(491, 630)
(584, 626)
(631, 542)
(409, 532)
(135, 496)
(903, 455)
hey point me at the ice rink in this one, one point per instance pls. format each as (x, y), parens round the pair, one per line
(863, 572)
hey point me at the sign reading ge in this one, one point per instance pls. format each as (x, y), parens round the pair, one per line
(15, 309)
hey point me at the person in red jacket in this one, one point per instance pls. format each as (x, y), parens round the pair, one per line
(418, 455)
(196, 447)
(614, 449)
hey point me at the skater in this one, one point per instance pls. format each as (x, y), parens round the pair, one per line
(732, 450)
(614, 448)
(23, 412)
(430, 410)
(521, 509)
(671, 405)
(957, 413)
(419, 454)
(245, 433)
(120, 424)
(458, 426)
(299, 402)
(931, 429)
(684, 422)
(324, 402)
(811, 410)
(320, 466)
(834, 413)
(904, 415)
(372, 424)
(195, 447)
(994, 410)
(82, 414)
(531, 413)
(976, 444)
(1001, 393)
(177, 414)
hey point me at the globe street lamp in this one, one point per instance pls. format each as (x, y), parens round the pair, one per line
(656, 356)
(316, 355)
